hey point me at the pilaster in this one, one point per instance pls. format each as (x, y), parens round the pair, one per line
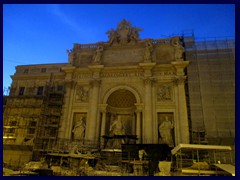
(138, 111)
(66, 121)
(93, 122)
(147, 120)
(182, 126)
(103, 109)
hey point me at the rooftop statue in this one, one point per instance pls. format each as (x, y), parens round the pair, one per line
(98, 55)
(178, 48)
(124, 33)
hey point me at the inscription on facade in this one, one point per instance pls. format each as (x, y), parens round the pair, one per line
(126, 55)
(122, 74)
(82, 75)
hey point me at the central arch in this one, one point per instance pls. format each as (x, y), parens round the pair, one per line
(120, 103)
(122, 87)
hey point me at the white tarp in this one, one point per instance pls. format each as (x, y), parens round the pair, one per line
(198, 146)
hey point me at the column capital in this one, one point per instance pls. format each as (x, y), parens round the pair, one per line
(96, 69)
(139, 107)
(69, 69)
(147, 67)
(103, 108)
(179, 80)
(180, 66)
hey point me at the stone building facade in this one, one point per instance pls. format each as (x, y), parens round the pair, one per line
(142, 82)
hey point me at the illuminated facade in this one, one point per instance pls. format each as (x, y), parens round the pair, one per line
(53, 107)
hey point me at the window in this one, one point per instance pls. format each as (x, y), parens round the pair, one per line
(43, 70)
(40, 90)
(21, 90)
(25, 71)
(59, 88)
(13, 123)
(31, 131)
(10, 130)
(32, 123)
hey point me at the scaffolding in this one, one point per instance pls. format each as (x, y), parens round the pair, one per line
(210, 88)
(20, 117)
(49, 122)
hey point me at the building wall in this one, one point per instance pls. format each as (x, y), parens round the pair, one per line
(126, 79)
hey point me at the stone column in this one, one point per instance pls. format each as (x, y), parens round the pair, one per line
(138, 127)
(103, 123)
(92, 131)
(133, 124)
(93, 109)
(147, 121)
(182, 108)
(68, 116)
(66, 120)
(183, 126)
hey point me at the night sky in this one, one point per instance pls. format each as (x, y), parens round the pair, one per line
(41, 34)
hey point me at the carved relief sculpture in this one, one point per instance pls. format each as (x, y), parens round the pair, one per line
(164, 93)
(82, 94)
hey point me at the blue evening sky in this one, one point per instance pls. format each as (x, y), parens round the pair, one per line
(41, 33)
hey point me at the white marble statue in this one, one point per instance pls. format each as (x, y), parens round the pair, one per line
(141, 154)
(148, 51)
(98, 55)
(117, 127)
(165, 130)
(79, 129)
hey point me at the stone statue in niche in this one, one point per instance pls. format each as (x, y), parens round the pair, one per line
(98, 55)
(79, 129)
(178, 48)
(164, 93)
(148, 51)
(116, 129)
(165, 131)
(82, 94)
